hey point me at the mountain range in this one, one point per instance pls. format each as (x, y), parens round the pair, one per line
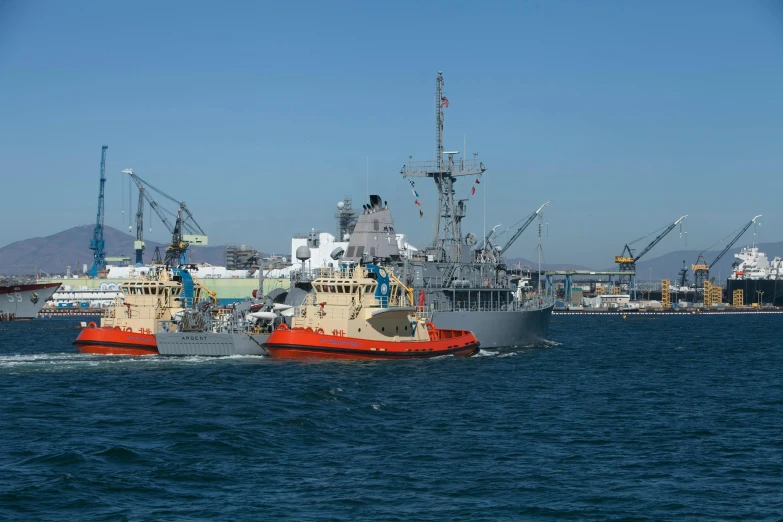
(71, 247)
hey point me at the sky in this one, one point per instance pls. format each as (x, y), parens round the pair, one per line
(262, 115)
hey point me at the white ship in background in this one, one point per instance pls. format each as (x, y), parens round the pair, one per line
(759, 279)
(752, 264)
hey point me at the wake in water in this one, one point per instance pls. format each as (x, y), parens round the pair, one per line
(57, 362)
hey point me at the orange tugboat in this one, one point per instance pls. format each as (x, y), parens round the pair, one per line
(357, 312)
(132, 322)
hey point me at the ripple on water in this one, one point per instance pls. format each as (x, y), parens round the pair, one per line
(677, 418)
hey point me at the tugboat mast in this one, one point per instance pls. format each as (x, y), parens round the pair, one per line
(448, 235)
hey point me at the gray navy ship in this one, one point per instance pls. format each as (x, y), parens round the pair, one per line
(462, 284)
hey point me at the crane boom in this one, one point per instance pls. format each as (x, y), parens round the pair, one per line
(180, 204)
(140, 183)
(658, 239)
(522, 228)
(736, 238)
(97, 244)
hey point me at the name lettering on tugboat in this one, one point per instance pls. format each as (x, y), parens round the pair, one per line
(340, 342)
(139, 338)
(193, 338)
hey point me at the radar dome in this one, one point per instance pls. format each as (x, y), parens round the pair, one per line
(303, 253)
(470, 239)
(340, 205)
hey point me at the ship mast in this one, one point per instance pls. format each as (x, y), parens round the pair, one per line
(448, 234)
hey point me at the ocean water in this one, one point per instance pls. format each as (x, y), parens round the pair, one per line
(654, 418)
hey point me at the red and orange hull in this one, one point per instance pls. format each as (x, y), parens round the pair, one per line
(300, 343)
(115, 341)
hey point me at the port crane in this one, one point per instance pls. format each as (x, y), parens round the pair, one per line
(97, 244)
(139, 244)
(185, 231)
(701, 271)
(627, 260)
(521, 229)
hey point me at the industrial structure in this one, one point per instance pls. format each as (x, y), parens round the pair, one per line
(97, 244)
(185, 231)
(242, 258)
(138, 244)
(627, 260)
(701, 271)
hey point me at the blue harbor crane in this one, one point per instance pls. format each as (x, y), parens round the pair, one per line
(701, 271)
(627, 260)
(185, 231)
(97, 244)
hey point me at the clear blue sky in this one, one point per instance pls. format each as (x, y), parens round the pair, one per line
(261, 115)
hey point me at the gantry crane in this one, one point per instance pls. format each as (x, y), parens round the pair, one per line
(97, 244)
(185, 231)
(627, 260)
(701, 271)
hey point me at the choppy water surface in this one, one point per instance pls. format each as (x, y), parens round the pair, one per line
(649, 418)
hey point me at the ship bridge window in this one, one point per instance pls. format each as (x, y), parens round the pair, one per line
(146, 290)
(125, 291)
(339, 289)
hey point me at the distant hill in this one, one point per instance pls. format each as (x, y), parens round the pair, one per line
(72, 248)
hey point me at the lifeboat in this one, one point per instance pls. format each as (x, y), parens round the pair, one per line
(115, 341)
(298, 343)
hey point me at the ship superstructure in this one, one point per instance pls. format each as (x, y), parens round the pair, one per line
(461, 284)
(755, 279)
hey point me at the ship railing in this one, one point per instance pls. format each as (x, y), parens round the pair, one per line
(529, 303)
(465, 282)
(423, 312)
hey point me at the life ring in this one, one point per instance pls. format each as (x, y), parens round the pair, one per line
(429, 326)
(282, 326)
(129, 329)
(92, 325)
(319, 331)
(117, 328)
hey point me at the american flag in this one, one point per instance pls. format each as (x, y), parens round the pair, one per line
(445, 102)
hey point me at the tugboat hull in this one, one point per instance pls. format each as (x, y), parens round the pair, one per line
(115, 341)
(305, 343)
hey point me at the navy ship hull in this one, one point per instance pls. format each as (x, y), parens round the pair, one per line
(23, 302)
(499, 329)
